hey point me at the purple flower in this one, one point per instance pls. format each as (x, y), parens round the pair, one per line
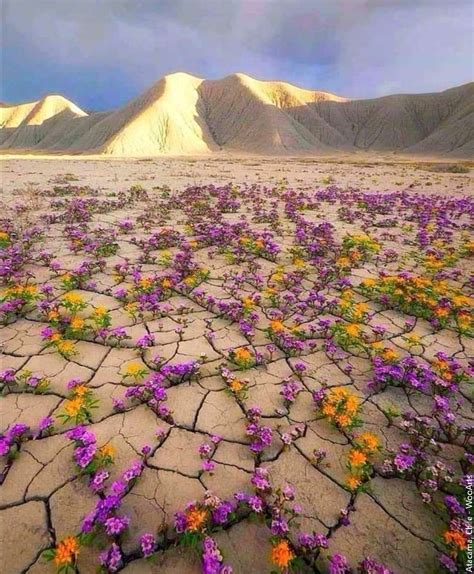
(105, 506)
(338, 565)
(7, 376)
(111, 558)
(134, 471)
(147, 544)
(45, 424)
(454, 506)
(118, 487)
(220, 514)
(4, 446)
(255, 503)
(212, 558)
(208, 465)
(83, 455)
(180, 522)
(448, 563)
(279, 526)
(260, 479)
(88, 522)
(116, 525)
(146, 341)
(97, 481)
(371, 566)
(403, 461)
(16, 431)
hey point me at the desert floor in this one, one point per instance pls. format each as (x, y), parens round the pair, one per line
(157, 313)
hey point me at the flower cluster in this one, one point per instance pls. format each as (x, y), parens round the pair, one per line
(339, 406)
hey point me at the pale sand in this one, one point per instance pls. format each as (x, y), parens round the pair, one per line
(182, 114)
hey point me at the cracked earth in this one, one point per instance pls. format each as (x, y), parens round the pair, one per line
(197, 300)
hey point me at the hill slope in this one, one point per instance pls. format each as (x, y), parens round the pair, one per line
(183, 114)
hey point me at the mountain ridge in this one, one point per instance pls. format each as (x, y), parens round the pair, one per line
(182, 114)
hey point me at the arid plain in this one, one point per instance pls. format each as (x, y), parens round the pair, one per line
(273, 355)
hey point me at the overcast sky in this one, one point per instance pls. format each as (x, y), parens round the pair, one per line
(101, 53)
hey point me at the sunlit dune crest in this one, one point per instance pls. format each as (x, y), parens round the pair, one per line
(182, 114)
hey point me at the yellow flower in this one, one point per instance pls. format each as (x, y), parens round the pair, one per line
(277, 326)
(353, 330)
(389, 354)
(107, 450)
(4, 236)
(73, 406)
(145, 282)
(65, 347)
(166, 283)
(132, 369)
(73, 299)
(361, 308)
(461, 300)
(77, 323)
(80, 390)
(343, 262)
(414, 339)
(100, 311)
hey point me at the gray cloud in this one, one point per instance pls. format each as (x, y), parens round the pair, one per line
(355, 47)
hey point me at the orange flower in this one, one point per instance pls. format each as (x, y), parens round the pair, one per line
(352, 405)
(242, 354)
(343, 420)
(66, 551)
(389, 354)
(457, 538)
(328, 410)
(442, 312)
(235, 385)
(195, 518)
(369, 441)
(282, 554)
(277, 326)
(352, 482)
(80, 390)
(357, 458)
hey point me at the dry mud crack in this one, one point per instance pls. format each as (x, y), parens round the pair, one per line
(243, 378)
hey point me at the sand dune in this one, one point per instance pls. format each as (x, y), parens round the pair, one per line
(183, 114)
